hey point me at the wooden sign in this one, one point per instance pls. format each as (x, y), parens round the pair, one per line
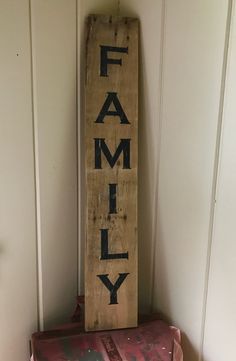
(111, 172)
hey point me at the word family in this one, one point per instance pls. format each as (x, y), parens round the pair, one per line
(111, 110)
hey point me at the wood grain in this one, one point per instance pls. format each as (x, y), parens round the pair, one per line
(121, 226)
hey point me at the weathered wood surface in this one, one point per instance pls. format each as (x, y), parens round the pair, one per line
(111, 212)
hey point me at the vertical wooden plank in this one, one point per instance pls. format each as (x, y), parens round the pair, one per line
(220, 312)
(18, 279)
(111, 129)
(193, 58)
(54, 64)
(84, 8)
(151, 15)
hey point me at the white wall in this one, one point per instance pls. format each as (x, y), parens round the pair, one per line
(54, 43)
(38, 169)
(186, 239)
(192, 72)
(18, 271)
(221, 300)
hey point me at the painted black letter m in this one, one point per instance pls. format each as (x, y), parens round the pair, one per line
(101, 147)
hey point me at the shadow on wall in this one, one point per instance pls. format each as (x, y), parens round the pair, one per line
(60, 235)
(147, 172)
(104, 7)
(2, 251)
(190, 353)
(146, 194)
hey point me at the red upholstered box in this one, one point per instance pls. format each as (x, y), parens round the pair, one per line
(151, 341)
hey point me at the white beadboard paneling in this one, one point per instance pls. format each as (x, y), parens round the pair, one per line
(150, 13)
(54, 77)
(18, 279)
(193, 58)
(181, 58)
(219, 342)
